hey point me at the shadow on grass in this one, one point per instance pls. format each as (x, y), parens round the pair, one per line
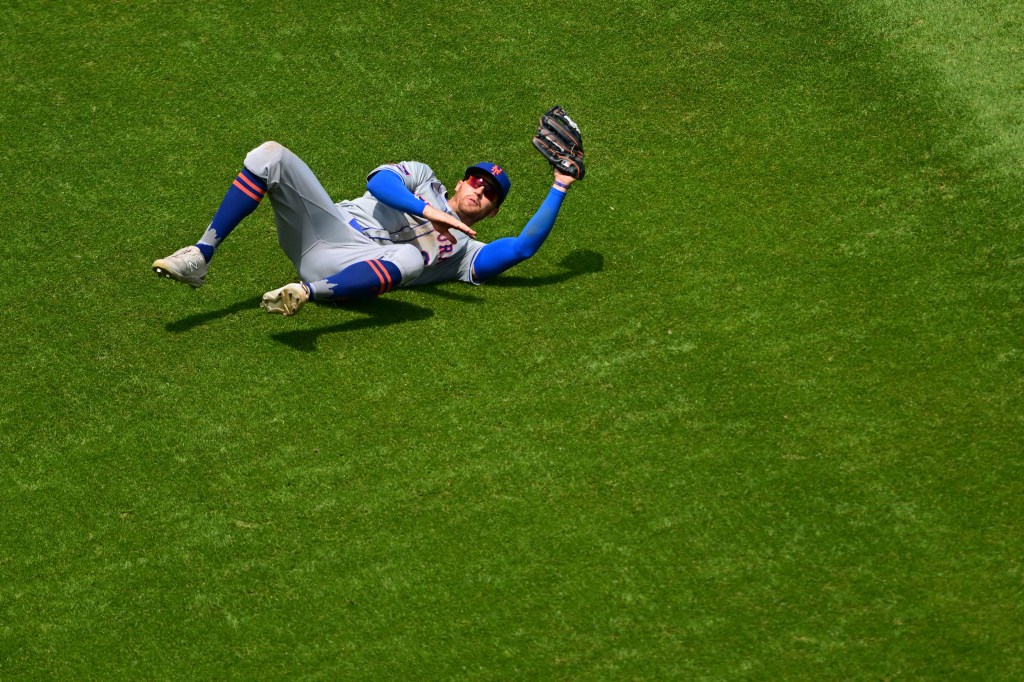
(193, 321)
(385, 311)
(382, 313)
(582, 262)
(577, 263)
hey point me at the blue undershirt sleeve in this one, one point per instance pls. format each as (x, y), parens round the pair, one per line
(498, 256)
(389, 189)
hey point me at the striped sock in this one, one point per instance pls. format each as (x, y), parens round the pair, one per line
(241, 199)
(368, 278)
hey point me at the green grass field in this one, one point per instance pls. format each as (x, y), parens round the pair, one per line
(754, 412)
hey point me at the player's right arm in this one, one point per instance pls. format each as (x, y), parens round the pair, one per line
(390, 189)
(500, 255)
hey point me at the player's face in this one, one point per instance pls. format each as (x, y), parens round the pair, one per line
(476, 198)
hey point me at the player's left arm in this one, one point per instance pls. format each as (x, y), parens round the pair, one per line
(500, 255)
(388, 187)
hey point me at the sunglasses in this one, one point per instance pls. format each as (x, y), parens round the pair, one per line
(476, 182)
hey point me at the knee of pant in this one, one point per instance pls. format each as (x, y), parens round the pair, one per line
(261, 159)
(408, 259)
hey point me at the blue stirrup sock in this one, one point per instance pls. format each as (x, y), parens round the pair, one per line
(367, 278)
(242, 198)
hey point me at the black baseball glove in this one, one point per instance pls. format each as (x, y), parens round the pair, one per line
(559, 139)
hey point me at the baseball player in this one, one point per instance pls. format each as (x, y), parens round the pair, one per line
(406, 230)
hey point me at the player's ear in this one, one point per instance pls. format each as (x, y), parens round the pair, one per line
(494, 212)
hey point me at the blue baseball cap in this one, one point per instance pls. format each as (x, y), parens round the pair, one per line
(497, 173)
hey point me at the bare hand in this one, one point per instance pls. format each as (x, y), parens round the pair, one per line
(445, 223)
(564, 179)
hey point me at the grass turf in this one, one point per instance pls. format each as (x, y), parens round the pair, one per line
(752, 412)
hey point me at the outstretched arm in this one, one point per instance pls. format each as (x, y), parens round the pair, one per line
(502, 254)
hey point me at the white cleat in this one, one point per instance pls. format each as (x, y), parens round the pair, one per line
(185, 265)
(287, 300)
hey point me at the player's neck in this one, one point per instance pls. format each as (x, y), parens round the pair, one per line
(467, 220)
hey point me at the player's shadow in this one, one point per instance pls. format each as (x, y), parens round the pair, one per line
(582, 262)
(381, 312)
(577, 263)
(193, 321)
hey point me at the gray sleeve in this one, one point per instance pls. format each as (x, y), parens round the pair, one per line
(466, 265)
(420, 180)
(414, 174)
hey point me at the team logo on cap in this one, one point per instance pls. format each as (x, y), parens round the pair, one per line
(495, 170)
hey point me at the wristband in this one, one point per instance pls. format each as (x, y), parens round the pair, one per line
(558, 184)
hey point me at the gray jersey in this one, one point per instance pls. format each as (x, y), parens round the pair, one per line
(442, 260)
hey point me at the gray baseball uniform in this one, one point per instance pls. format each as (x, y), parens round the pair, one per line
(442, 260)
(322, 237)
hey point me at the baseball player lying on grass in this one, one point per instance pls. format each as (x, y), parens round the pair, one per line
(405, 231)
